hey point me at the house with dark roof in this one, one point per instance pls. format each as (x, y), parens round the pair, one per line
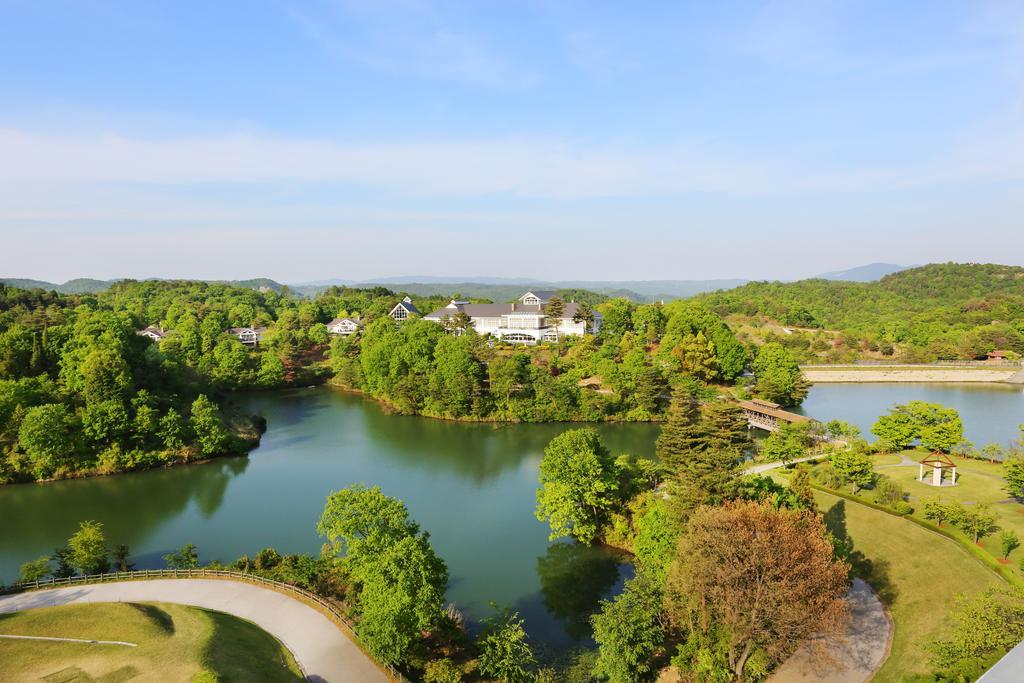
(539, 297)
(404, 310)
(520, 322)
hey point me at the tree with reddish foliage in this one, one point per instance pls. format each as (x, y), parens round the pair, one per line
(761, 580)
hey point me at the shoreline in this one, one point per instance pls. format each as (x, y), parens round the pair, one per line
(937, 374)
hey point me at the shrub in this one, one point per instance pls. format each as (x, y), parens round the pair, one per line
(903, 508)
(888, 492)
(827, 476)
(442, 671)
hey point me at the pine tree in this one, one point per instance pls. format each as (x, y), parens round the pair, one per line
(650, 386)
(37, 363)
(553, 312)
(726, 426)
(708, 478)
(682, 434)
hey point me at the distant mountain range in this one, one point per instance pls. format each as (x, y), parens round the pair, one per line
(81, 285)
(868, 273)
(494, 288)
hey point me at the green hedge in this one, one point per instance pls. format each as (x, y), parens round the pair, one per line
(1002, 570)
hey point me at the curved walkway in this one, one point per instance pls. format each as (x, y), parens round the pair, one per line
(857, 657)
(323, 651)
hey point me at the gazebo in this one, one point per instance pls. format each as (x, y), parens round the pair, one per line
(939, 462)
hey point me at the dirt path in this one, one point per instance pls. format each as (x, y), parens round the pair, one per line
(319, 646)
(865, 648)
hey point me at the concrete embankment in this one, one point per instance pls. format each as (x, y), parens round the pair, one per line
(911, 373)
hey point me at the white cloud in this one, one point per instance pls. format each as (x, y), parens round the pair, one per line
(517, 167)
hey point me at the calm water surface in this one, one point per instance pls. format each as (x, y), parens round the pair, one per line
(472, 486)
(990, 412)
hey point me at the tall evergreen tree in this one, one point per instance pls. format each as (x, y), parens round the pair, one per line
(708, 478)
(726, 426)
(650, 387)
(682, 433)
(553, 311)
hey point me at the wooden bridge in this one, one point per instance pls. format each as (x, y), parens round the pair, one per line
(767, 415)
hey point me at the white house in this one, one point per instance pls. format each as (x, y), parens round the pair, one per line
(526, 321)
(404, 310)
(343, 326)
(153, 332)
(250, 336)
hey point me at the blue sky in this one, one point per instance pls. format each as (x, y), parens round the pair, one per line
(555, 140)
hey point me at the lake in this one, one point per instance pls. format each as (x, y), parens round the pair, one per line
(471, 486)
(990, 412)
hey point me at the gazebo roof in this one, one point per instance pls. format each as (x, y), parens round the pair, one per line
(938, 459)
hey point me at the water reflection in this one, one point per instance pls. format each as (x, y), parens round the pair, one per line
(573, 579)
(36, 518)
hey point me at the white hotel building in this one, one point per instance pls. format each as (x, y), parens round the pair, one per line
(524, 322)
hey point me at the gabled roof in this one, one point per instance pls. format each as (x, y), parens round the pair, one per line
(338, 321)
(497, 310)
(765, 408)
(407, 304)
(542, 294)
(153, 330)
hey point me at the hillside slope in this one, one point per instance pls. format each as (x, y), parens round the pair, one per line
(946, 310)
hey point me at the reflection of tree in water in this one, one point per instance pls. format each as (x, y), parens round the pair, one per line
(35, 519)
(210, 496)
(573, 579)
(477, 452)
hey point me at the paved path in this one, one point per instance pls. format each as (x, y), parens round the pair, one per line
(857, 657)
(766, 466)
(323, 651)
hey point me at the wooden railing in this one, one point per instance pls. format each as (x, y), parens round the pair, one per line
(143, 574)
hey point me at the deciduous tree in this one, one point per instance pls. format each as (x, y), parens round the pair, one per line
(504, 653)
(778, 376)
(977, 521)
(206, 424)
(89, 553)
(35, 570)
(627, 632)
(983, 628)
(1013, 470)
(578, 485)
(186, 557)
(854, 466)
(768, 577)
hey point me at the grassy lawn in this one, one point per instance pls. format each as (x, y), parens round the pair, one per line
(175, 642)
(978, 482)
(916, 572)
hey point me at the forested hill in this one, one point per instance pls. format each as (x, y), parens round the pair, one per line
(950, 310)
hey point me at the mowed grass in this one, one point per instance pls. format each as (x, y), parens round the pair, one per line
(916, 572)
(978, 481)
(175, 643)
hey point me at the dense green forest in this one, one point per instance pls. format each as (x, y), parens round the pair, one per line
(626, 372)
(935, 312)
(82, 393)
